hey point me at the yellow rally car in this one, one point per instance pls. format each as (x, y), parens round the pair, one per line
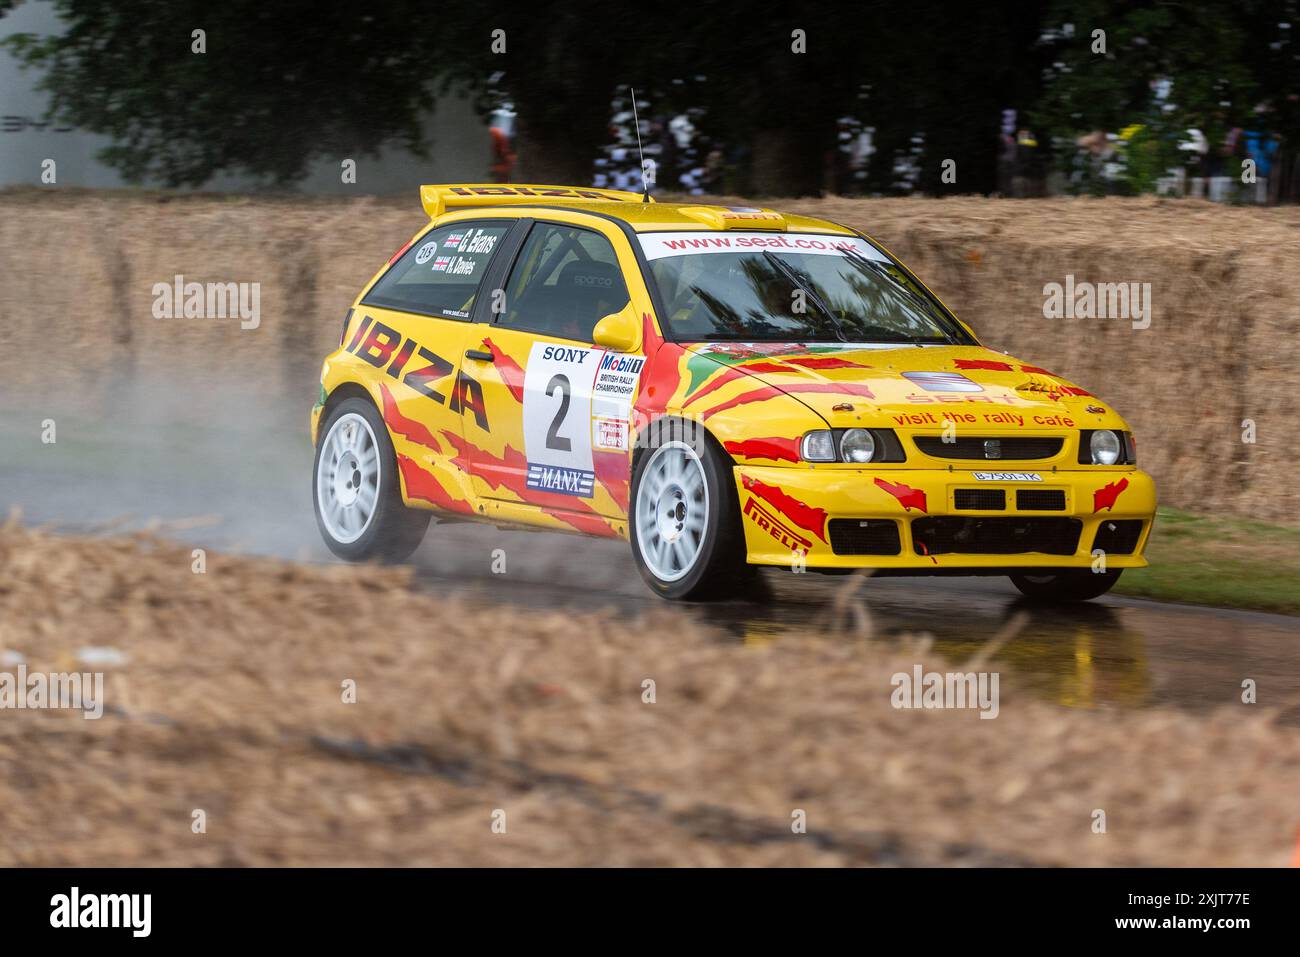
(724, 387)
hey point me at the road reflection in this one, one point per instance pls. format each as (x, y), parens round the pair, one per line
(1114, 652)
(1080, 656)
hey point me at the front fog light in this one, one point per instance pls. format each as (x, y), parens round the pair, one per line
(1106, 447)
(857, 446)
(818, 446)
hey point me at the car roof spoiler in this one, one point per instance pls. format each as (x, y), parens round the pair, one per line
(437, 199)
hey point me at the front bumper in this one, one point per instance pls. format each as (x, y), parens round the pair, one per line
(841, 518)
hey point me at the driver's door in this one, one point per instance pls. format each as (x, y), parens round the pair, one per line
(561, 446)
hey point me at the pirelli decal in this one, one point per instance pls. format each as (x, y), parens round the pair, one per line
(769, 523)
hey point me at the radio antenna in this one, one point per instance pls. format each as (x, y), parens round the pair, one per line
(636, 122)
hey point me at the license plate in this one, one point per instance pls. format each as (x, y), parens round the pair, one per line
(1007, 476)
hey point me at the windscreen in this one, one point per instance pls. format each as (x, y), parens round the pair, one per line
(744, 287)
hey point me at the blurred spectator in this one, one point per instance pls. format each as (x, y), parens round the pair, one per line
(1261, 147)
(1028, 173)
(503, 157)
(501, 131)
(1007, 152)
(1094, 159)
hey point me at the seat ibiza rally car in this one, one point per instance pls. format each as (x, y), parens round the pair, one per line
(725, 388)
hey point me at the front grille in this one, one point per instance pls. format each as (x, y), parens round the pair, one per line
(941, 535)
(1040, 499)
(863, 536)
(1118, 537)
(990, 448)
(979, 499)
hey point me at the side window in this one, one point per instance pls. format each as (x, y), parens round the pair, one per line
(440, 274)
(565, 280)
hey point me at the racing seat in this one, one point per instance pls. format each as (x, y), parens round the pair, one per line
(585, 292)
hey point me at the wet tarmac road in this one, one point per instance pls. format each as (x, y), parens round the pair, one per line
(1116, 651)
(249, 482)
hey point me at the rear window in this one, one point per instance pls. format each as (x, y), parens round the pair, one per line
(441, 272)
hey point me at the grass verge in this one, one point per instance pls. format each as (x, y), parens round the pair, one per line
(1227, 562)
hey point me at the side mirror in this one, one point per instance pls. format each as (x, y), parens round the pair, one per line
(619, 331)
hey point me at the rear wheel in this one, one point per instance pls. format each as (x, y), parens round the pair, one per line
(1070, 585)
(685, 529)
(355, 490)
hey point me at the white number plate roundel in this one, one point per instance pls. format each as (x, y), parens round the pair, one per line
(575, 397)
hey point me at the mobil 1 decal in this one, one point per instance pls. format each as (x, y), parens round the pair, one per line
(577, 401)
(612, 394)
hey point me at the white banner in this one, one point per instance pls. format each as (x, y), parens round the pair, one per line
(663, 245)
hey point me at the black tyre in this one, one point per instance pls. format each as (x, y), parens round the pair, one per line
(684, 519)
(1070, 585)
(356, 493)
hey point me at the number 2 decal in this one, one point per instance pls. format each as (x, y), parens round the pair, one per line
(554, 440)
(570, 389)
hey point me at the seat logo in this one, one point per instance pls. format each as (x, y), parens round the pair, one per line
(992, 449)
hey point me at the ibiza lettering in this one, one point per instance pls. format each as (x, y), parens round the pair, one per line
(418, 367)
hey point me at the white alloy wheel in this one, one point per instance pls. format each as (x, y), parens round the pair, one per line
(347, 478)
(672, 511)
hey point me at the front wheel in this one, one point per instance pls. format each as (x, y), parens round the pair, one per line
(356, 492)
(1063, 586)
(685, 529)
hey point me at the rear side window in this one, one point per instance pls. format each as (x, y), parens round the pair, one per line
(441, 272)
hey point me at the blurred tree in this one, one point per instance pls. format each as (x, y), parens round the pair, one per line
(1167, 67)
(1273, 53)
(555, 62)
(286, 83)
(279, 84)
(948, 77)
(282, 84)
(775, 79)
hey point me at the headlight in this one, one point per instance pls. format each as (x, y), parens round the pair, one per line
(818, 446)
(857, 446)
(853, 446)
(1107, 449)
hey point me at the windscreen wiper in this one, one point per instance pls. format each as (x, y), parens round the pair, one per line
(788, 272)
(855, 257)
